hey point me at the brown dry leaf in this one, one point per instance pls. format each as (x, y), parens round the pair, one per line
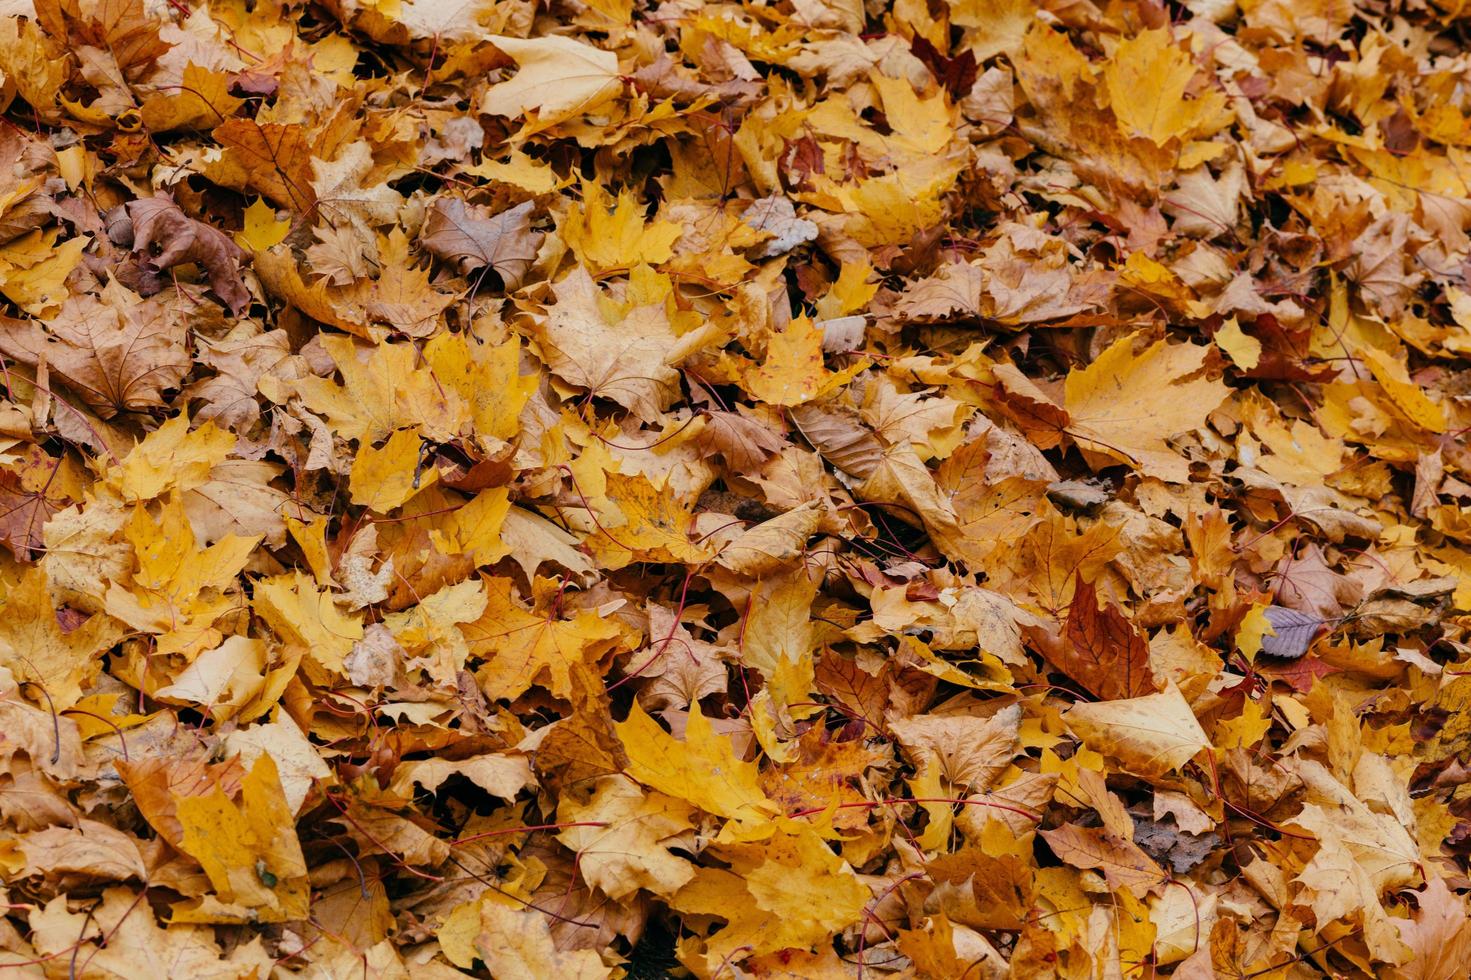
(24, 512)
(167, 237)
(679, 669)
(116, 939)
(1122, 863)
(971, 752)
(503, 243)
(771, 544)
(89, 851)
(271, 158)
(115, 351)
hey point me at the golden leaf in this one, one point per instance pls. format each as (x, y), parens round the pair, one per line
(249, 850)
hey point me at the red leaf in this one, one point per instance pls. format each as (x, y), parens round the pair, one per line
(1103, 651)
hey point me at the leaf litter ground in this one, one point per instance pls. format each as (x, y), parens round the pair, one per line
(797, 489)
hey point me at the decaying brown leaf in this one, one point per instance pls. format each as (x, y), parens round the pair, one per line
(503, 243)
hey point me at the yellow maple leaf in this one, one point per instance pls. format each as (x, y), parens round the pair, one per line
(311, 538)
(1147, 80)
(1124, 407)
(851, 292)
(642, 521)
(202, 101)
(808, 890)
(513, 939)
(37, 651)
(520, 171)
(35, 63)
(896, 206)
(33, 270)
(791, 892)
(430, 630)
(1060, 83)
(488, 379)
(390, 388)
(299, 614)
(475, 529)
(1149, 735)
(1244, 350)
(263, 230)
(171, 457)
(386, 477)
(248, 849)
(994, 26)
(176, 591)
(779, 626)
(921, 125)
(623, 838)
(605, 233)
(522, 647)
(1246, 729)
(793, 372)
(1254, 626)
(702, 769)
(1406, 396)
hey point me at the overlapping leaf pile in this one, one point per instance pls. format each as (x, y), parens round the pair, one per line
(791, 489)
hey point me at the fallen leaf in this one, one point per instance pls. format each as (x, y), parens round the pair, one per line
(1124, 407)
(702, 769)
(558, 78)
(1150, 735)
(248, 848)
(37, 651)
(168, 237)
(624, 839)
(503, 243)
(1103, 651)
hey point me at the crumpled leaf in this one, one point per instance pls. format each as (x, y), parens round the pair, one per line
(167, 237)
